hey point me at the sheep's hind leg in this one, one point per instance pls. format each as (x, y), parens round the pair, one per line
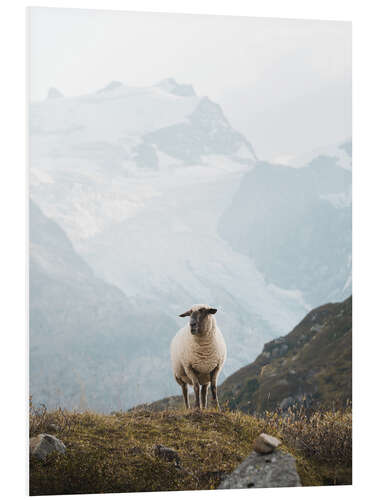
(186, 395)
(204, 395)
(184, 391)
(214, 375)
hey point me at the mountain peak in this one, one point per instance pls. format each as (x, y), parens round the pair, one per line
(54, 93)
(172, 87)
(113, 85)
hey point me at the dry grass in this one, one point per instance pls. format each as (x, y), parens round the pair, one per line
(114, 453)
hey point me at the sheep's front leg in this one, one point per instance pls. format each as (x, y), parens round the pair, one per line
(204, 395)
(213, 375)
(197, 396)
(194, 379)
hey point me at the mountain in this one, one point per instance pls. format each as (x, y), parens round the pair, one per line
(84, 333)
(144, 184)
(138, 179)
(339, 154)
(312, 364)
(295, 223)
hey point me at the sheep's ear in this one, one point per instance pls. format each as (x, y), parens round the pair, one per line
(187, 313)
(211, 311)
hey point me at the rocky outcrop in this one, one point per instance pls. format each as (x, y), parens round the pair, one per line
(183, 90)
(205, 131)
(264, 471)
(167, 454)
(44, 444)
(54, 93)
(111, 86)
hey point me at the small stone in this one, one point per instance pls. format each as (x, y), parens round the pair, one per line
(166, 453)
(51, 427)
(135, 450)
(44, 444)
(265, 443)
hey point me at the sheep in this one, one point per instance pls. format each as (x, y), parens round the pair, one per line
(198, 352)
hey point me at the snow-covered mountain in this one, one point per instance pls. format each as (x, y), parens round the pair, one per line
(86, 152)
(139, 180)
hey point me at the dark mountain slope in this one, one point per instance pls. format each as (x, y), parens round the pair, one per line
(296, 225)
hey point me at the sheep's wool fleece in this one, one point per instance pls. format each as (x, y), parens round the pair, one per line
(203, 353)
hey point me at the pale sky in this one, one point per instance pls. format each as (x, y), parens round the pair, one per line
(261, 71)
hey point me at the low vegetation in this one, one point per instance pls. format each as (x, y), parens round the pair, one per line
(114, 453)
(314, 361)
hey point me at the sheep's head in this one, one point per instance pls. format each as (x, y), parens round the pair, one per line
(200, 318)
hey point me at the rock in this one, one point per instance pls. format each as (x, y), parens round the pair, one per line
(265, 443)
(135, 450)
(170, 85)
(111, 86)
(51, 427)
(316, 328)
(44, 444)
(54, 93)
(167, 454)
(286, 403)
(263, 471)
(275, 352)
(283, 349)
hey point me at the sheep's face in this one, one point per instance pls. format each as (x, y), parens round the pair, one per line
(200, 319)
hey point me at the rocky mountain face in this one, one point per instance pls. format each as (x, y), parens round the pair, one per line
(296, 226)
(84, 332)
(313, 363)
(205, 131)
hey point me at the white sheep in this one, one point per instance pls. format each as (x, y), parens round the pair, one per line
(198, 352)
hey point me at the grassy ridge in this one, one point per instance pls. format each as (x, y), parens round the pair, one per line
(114, 453)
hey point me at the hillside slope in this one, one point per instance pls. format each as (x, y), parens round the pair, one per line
(312, 363)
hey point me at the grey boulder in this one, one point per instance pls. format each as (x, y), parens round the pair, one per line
(44, 444)
(276, 470)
